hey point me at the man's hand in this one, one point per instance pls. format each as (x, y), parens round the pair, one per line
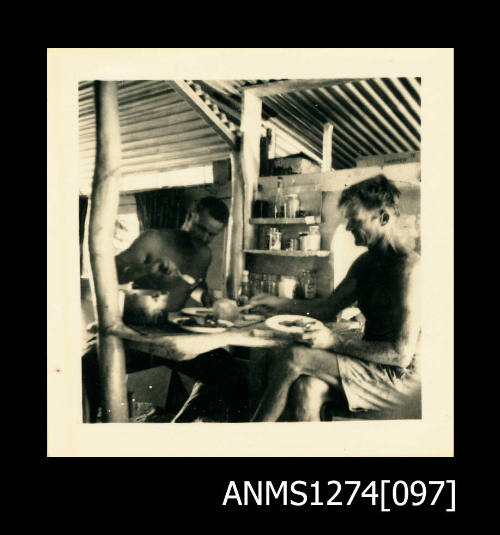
(162, 268)
(272, 302)
(322, 338)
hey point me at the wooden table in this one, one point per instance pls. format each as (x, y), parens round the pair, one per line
(171, 342)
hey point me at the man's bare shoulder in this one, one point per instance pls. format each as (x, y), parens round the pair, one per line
(182, 240)
(411, 260)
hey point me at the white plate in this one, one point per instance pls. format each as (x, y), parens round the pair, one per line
(196, 311)
(201, 329)
(275, 323)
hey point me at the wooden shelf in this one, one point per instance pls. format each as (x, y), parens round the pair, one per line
(288, 253)
(309, 220)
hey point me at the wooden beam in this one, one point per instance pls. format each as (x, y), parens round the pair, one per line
(285, 86)
(407, 173)
(326, 164)
(199, 106)
(104, 208)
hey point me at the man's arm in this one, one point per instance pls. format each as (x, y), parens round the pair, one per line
(188, 283)
(324, 308)
(397, 352)
(135, 262)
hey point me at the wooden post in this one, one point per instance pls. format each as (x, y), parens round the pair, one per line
(235, 259)
(104, 208)
(326, 164)
(251, 117)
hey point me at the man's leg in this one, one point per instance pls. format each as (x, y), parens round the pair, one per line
(285, 368)
(221, 391)
(306, 397)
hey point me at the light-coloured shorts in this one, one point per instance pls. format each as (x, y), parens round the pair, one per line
(375, 387)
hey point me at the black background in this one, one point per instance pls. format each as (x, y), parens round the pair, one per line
(143, 489)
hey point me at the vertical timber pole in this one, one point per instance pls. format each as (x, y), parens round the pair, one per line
(104, 208)
(326, 164)
(236, 261)
(251, 119)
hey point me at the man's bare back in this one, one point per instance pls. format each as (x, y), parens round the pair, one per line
(383, 282)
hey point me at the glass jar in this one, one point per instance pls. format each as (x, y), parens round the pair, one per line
(308, 284)
(274, 239)
(287, 286)
(314, 240)
(292, 205)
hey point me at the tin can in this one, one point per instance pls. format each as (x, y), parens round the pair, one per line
(292, 244)
(304, 241)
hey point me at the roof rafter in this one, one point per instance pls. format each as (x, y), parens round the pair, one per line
(199, 106)
(285, 86)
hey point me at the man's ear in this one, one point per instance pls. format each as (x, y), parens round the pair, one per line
(384, 217)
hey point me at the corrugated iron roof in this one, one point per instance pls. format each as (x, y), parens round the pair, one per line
(371, 117)
(160, 131)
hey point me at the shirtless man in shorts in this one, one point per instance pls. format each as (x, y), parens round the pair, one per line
(375, 371)
(176, 261)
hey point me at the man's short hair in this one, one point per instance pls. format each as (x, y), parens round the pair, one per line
(216, 208)
(373, 194)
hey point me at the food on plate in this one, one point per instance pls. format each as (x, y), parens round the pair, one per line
(225, 309)
(303, 324)
(210, 320)
(207, 321)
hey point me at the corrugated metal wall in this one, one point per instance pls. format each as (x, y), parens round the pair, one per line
(159, 131)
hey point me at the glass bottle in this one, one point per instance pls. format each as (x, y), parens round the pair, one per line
(258, 284)
(244, 294)
(273, 285)
(308, 284)
(265, 283)
(279, 200)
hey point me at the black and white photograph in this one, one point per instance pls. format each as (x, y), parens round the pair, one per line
(247, 257)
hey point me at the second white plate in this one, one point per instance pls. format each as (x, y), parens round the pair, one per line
(289, 323)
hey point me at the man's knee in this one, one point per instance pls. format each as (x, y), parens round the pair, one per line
(298, 358)
(307, 388)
